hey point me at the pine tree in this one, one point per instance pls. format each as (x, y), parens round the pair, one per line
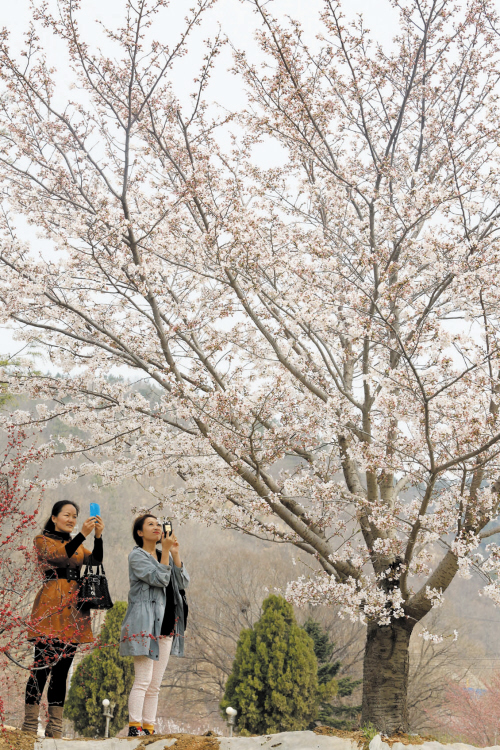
(331, 714)
(101, 674)
(274, 681)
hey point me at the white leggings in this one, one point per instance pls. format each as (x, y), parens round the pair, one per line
(143, 698)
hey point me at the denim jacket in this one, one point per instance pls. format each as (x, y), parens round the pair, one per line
(146, 605)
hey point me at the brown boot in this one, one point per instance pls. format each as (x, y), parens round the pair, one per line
(54, 727)
(30, 723)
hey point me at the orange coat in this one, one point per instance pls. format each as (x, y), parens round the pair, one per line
(54, 614)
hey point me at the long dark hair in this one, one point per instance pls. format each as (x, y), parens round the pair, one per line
(138, 524)
(56, 509)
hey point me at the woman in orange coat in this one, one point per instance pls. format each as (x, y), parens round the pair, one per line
(57, 626)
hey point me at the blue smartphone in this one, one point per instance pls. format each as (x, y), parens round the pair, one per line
(95, 509)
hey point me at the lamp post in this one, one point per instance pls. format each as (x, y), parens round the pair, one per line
(231, 719)
(107, 711)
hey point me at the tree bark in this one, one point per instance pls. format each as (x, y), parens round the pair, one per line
(385, 676)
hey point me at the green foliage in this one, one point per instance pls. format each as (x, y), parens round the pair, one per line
(369, 731)
(323, 648)
(101, 674)
(274, 681)
(331, 714)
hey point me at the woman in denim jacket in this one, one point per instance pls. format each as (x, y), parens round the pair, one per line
(153, 627)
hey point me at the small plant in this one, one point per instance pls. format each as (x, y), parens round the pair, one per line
(369, 731)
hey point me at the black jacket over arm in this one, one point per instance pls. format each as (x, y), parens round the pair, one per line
(97, 552)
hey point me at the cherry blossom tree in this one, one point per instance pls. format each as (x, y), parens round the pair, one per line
(320, 338)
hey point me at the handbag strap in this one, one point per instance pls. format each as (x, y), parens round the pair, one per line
(99, 567)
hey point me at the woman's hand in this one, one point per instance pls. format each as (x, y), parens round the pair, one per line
(169, 544)
(175, 552)
(89, 525)
(99, 527)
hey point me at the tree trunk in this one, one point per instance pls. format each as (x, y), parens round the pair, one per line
(385, 676)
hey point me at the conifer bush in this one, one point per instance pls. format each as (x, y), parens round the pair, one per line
(102, 674)
(274, 681)
(331, 714)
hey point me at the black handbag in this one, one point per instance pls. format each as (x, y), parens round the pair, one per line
(94, 591)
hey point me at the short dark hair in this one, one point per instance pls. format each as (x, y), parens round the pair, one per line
(138, 524)
(56, 509)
